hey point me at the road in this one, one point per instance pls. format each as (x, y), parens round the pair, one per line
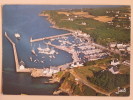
(89, 84)
(105, 48)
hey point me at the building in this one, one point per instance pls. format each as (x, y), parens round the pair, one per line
(83, 23)
(76, 64)
(126, 62)
(128, 49)
(114, 70)
(112, 45)
(70, 19)
(67, 15)
(51, 70)
(22, 65)
(115, 62)
(119, 46)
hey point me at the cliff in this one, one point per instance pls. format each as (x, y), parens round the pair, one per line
(70, 85)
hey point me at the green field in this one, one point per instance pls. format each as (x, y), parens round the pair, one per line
(101, 32)
(109, 81)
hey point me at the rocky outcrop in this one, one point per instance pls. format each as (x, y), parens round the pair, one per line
(69, 85)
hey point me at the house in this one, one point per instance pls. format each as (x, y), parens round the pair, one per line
(76, 64)
(115, 62)
(122, 49)
(73, 65)
(67, 14)
(117, 12)
(128, 49)
(83, 23)
(126, 62)
(46, 71)
(114, 70)
(51, 70)
(54, 70)
(118, 26)
(112, 45)
(107, 12)
(70, 19)
(119, 46)
(76, 79)
(116, 15)
(109, 22)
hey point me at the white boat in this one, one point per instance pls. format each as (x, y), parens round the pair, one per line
(50, 56)
(39, 48)
(30, 58)
(33, 52)
(47, 50)
(56, 52)
(17, 35)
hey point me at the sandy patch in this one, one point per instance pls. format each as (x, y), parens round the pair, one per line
(103, 18)
(90, 28)
(80, 13)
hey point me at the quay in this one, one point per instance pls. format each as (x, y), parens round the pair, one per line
(46, 38)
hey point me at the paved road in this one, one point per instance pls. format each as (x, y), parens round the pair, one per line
(94, 87)
(89, 84)
(104, 48)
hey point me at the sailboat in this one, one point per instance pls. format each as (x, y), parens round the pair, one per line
(39, 48)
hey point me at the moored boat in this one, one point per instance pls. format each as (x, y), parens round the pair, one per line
(17, 35)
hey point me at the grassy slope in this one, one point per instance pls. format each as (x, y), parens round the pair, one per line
(92, 72)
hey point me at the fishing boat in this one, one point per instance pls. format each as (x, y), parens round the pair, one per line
(17, 35)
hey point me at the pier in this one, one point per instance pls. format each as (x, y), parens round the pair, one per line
(46, 38)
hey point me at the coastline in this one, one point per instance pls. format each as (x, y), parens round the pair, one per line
(54, 24)
(42, 84)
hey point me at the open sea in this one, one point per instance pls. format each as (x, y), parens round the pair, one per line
(24, 19)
